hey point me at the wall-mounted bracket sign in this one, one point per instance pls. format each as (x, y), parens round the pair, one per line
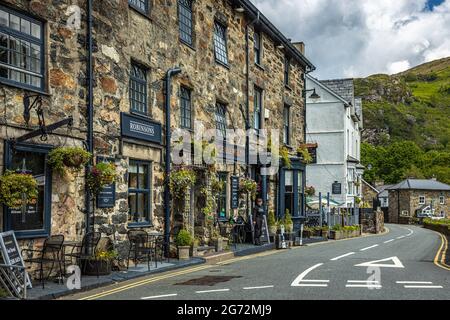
(107, 196)
(141, 128)
(337, 188)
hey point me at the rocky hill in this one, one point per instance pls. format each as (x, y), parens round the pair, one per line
(413, 105)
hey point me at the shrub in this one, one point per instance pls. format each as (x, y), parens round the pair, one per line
(337, 227)
(248, 186)
(14, 185)
(271, 218)
(74, 158)
(180, 181)
(183, 239)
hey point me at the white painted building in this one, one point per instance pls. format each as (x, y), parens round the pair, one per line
(334, 122)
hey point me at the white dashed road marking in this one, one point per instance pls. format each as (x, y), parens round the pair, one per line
(401, 237)
(389, 241)
(368, 286)
(424, 287)
(162, 296)
(418, 285)
(414, 282)
(257, 288)
(212, 291)
(343, 256)
(374, 246)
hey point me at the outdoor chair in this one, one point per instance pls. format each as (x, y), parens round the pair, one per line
(50, 253)
(140, 247)
(86, 250)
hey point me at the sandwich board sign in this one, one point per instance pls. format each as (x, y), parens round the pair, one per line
(265, 231)
(10, 255)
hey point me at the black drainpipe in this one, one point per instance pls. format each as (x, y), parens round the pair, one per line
(168, 87)
(90, 111)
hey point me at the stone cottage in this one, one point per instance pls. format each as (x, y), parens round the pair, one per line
(414, 198)
(238, 71)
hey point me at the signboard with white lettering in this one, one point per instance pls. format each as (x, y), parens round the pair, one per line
(10, 252)
(141, 128)
(107, 196)
(234, 192)
(337, 188)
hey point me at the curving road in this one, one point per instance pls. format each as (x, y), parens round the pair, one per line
(398, 265)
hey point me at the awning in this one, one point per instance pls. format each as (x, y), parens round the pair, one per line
(313, 202)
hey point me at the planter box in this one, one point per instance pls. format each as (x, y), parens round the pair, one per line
(337, 235)
(183, 253)
(219, 245)
(89, 267)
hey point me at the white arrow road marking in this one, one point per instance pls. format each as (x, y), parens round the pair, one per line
(397, 263)
(343, 256)
(162, 296)
(365, 249)
(256, 288)
(300, 281)
(410, 232)
(389, 241)
(211, 291)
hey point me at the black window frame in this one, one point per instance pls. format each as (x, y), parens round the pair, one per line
(146, 191)
(186, 108)
(186, 17)
(138, 82)
(258, 107)
(287, 70)
(135, 5)
(221, 118)
(221, 43)
(287, 124)
(257, 39)
(31, 40)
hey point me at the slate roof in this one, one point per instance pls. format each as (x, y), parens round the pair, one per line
(420, 184)
(342, 87)
(384, 190)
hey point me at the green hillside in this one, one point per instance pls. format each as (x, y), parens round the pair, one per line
(404, 111)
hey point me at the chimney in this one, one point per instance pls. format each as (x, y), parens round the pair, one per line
(300, 46)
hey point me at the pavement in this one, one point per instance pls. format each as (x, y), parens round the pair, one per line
(399, 265)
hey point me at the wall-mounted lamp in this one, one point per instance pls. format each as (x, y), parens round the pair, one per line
(239, 10)
(314, 96)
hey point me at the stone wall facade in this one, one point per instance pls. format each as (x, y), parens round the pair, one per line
(122, 35)
(403, 204)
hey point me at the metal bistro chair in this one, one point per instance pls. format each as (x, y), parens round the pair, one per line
(50, 253)
(86, 250)
(140, 247)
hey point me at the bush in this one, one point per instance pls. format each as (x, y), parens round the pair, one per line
(337, 227)
(441, 222)
(180, 181)
(183, 239)
(271, 218)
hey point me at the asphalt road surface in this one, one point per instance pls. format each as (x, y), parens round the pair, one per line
(398, 265)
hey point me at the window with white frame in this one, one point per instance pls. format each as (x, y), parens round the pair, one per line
(441, 200)
(421, 199)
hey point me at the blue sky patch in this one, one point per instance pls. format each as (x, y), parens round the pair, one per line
(432, 3)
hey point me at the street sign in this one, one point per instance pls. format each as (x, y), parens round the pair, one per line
(396, 263)
(234, 192)
(10, 254)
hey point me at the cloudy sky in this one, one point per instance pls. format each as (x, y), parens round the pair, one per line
(357, 38)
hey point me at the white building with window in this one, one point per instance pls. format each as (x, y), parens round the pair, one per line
(334, 122)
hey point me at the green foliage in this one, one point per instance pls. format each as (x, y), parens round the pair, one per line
(351, 228)
(336, 227)
(101, 175)
(271, 221)
(180, 181)
(441, 222)
(3, 293)
(14, 186)
(287, 221)
(183, 239)
(305, 155)
(217, 186)
(285, 159)
(106, 255)
(75, 158)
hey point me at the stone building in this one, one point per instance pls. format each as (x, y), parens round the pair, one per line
(414, 198)
(133, 45)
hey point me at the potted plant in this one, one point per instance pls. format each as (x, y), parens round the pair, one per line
(18, 189)
(180, 180)
(102, 261)
(336, 232)
(74, 158)
(307, 232)
(288, 223)
(272, 223)
(304, 154)
(325, 230)
(101, 175)
(183, 242)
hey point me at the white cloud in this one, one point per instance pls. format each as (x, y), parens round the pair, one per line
(399, 66)
(363, 37)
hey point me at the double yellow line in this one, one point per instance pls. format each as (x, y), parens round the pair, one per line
(440, 262)
(171, 275)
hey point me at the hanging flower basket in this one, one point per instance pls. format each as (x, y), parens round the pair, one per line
(74, 158)
(248, 186)
(180, 181)
(15, 188)
(101, 175)
(285, 160)
(304, 154)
